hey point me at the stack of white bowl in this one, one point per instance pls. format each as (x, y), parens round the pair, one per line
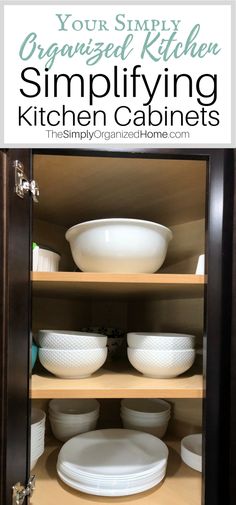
(71, 417)
(38, 418)
(161, 355)
(191, 451)
(144, 414)
(71, 354)
(113, 462)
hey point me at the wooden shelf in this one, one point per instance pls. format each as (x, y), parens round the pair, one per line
(114, 384)
(182, 485)
(76, 284)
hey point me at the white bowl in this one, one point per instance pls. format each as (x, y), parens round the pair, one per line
(74, 363)
(59, 339)
(161, 364)
(74, 407)
(156, 430)
(148, 407)
(63, 431)
(162, 341)
(191, 451)
(119, 245)
(45, 260)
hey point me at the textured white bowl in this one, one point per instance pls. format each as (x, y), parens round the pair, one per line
(160, 341)
(191, 451)
(119, 245)
(151, 408)
(161, 364)
(63, 431)
(59, 339)
(73, 408)
(74, 363)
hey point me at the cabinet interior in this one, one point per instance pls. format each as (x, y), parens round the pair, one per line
(74, 189)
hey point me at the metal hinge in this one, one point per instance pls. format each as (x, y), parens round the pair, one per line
(22, 184)
(20, 492)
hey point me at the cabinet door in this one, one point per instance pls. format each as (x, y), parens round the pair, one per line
(15, 322)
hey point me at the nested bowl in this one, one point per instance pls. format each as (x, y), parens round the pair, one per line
(63, 339)
(72, 364)
(161, 364)
(160, 341)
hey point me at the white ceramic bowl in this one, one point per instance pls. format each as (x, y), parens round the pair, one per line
(162, 341)
(191, 451)
(59, 339)
(154, 429)
(73, 411)
(161, 364)
(45, 260)
(119, 245)
(150, 408)
(63, 431)
(74, 363)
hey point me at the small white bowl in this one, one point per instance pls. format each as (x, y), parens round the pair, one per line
(45, 260)
(119, 245)
(72, 364)
(161, 364)
(160, 341)
(59, 339)
(191, 451)
(74, 407)
(156, 430)
(63, 431)
(148, 407)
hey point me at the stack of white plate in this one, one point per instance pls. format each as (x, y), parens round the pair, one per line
(149, 415)
(38, 418)
(71, 417)
(113, 462)
(71, 354)
(161, 355)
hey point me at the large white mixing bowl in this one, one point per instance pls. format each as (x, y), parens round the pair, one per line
(119, 245)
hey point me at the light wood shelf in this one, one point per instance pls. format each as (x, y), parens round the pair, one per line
(182, 485)
(77, 284)
(115, 384)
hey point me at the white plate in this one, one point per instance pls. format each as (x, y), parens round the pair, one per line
(124, 453)
(98, 491)
(109, 481)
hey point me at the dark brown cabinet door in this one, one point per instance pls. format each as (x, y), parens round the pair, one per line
(15, 324)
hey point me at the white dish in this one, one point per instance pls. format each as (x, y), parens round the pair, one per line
(72, 364)
(154, 429)
(125, 453)
(65, 431)
(191, 451)
(160, 341)
(200, 269)
(38, 417)
(45, 260)
(112, 491)
(119, 245)
(161, 364)
(149, 407)
(74, 407)
(59, 339)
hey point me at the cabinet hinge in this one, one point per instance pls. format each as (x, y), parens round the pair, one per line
(20, 492)
(22, 184)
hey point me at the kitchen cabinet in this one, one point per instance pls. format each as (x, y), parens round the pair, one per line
(190, 191)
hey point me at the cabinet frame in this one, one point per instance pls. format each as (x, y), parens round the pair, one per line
(218, 313)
